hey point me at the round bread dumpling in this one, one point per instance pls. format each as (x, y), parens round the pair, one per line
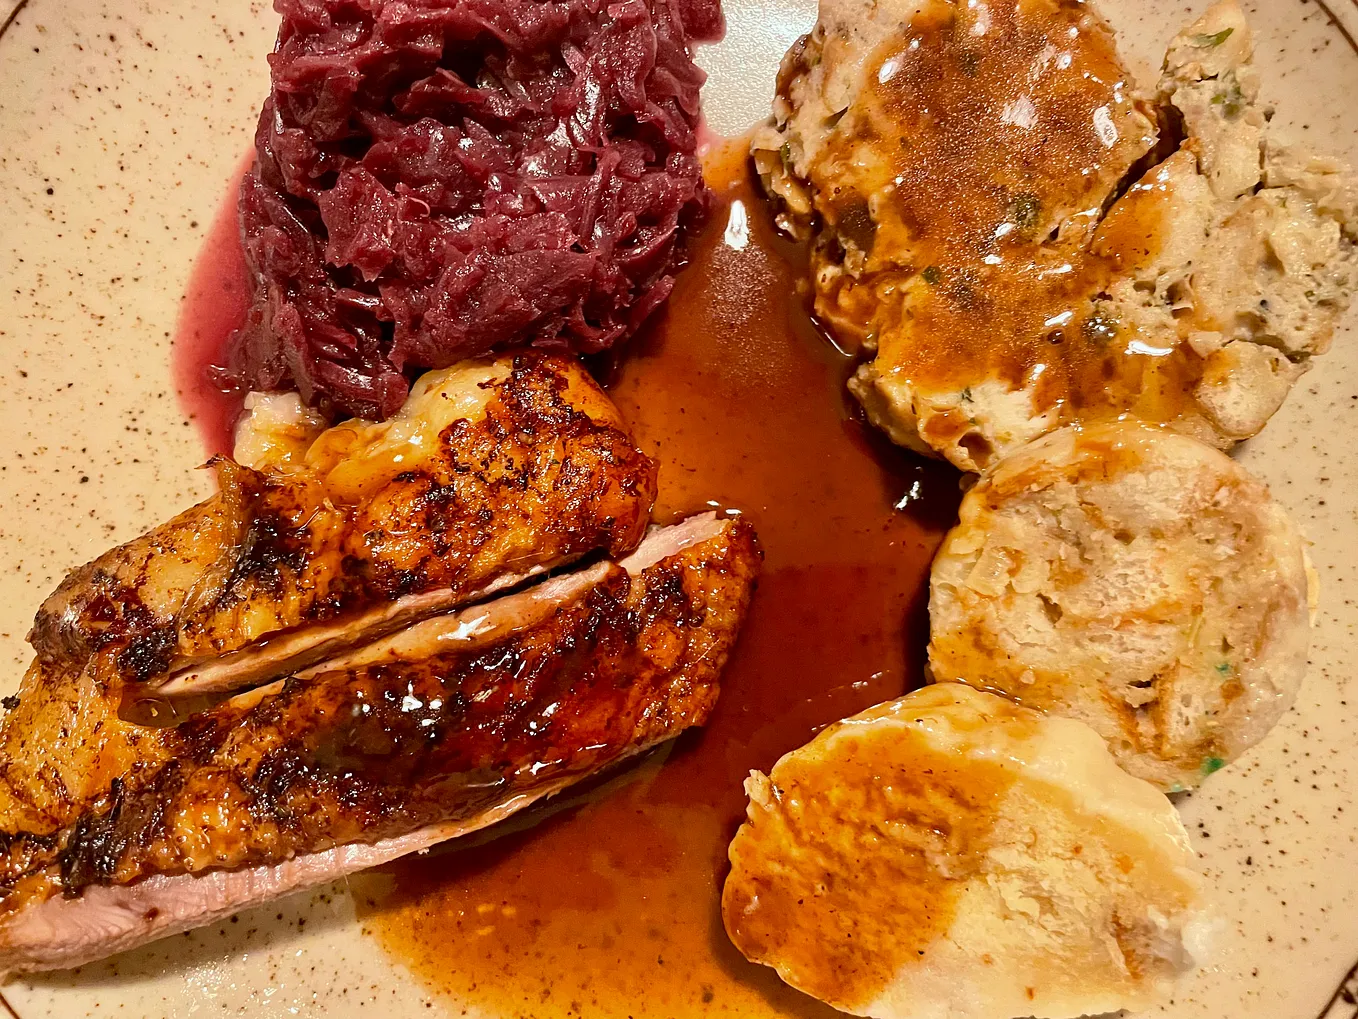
(1134, 579)
(952, 855)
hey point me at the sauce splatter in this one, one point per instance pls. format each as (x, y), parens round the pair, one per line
(608, 903)
(214, 306)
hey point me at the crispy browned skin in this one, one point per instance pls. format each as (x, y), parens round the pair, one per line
(63, 743)
(380, 750)
(541, 474)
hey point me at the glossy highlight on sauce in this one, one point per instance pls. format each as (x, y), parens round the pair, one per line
(607, 903)
(987, 146)
(610, 906)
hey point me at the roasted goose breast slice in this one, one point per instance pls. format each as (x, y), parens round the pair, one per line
(493, 471)
(435, 731)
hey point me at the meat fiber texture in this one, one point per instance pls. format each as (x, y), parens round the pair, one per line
(437, 178)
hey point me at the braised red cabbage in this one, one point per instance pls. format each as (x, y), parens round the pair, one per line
(437, 178)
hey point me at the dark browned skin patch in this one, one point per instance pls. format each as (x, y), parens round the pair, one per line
(536, 481)
(382, 750)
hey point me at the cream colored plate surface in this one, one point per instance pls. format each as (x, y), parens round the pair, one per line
(120, 124)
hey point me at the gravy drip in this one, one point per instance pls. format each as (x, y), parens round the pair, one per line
(610, 906)
(965, 193)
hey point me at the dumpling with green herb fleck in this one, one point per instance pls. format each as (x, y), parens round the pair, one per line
(1017, 237)
(1134, 579)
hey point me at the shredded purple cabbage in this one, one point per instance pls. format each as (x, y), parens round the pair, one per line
(437, 178)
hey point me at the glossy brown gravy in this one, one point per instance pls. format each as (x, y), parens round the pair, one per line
(846, 920)
(610, 906)
(989, 142)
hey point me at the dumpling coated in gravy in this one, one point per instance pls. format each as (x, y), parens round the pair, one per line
(951, 855)
(1000, 224)
(1134, 579)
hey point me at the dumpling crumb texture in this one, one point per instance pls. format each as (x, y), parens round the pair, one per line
(1018, 236)
(951, 855)
(1137, 580)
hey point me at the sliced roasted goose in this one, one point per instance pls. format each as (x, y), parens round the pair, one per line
(437, 731)
(494, 470)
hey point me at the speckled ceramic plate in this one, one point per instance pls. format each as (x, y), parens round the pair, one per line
(121, 124)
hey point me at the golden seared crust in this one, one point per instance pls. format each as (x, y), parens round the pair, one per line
(1132, 578)
(62, 743)
(974, 177)
(115, 601)
(380, 750)
(548, 475)
(951, 855)
(494, 470)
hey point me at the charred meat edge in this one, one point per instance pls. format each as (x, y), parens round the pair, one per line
(328, 647)
(574, 408)
(116, 918)
(61, 932)
(292, 650)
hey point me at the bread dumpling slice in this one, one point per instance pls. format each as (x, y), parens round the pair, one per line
(951, 855)
(1137, 580)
